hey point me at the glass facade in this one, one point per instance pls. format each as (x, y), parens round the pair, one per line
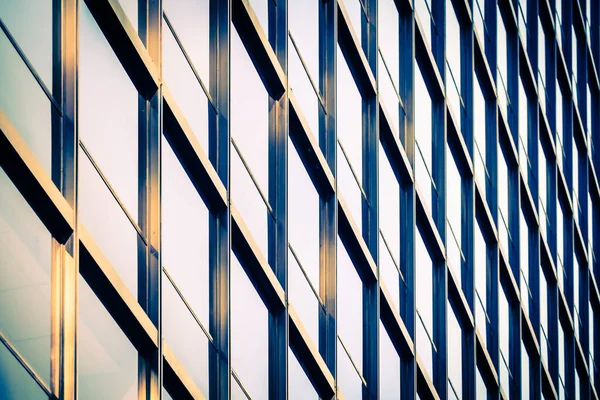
(303, 199)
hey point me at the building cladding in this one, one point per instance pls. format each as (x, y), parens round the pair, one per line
(254, 199)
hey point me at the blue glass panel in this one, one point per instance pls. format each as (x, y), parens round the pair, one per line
(107, 364)
(249, 333)
(184, 234)
(105, 89)
(25, 273)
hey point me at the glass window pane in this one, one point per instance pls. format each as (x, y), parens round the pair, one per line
(190, 19)
(303, 20)
(299, 387)
(107, 224)
(303, 90)
(390, 367)
(389, 204)
(349, 307)
(249, 333)
(389, 37)
(15, 381)
(30, 24)
(348, 380)
(107, 363)
(454, 353)
(249, 112)
(303, 215)
(25, 104)
(303, 299)
(184, 336)
(250, 204)
(105, 89)
(185, 88)
(25, 273)
(184, 234)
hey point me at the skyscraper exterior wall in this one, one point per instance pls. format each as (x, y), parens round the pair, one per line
(299, 199)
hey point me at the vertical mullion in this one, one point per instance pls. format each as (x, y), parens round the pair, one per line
(370, 205)
(150, 128)
(220, 222)
(64, 173)
(278, 239)
(408, 366)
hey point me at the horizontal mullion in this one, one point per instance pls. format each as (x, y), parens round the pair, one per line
(580, 358)
(255, 264)
(485, 363)
(528, 333)
(528, 204)
(547, 262)
(257, 44)
(127, 45)
(458, 147)
(484, 216)
(578, 129)
(593, 181)
(564, 195)
(548, 389)
(427, 65)
(459, 302)
(594, 292)
(562, 73)
(547, 16)
(526, 72)
(309, 356)
(110, 289)
(506, 141)
(507, 278)
(394, 149)
(564, 314)
(34, 183)
(429, 230)
(355, 244)
(546, 136)
(509, 16)
(308, 148)
(425, 386)
(177, 380)
(463, 10)
(592, 70)
(191, 155)
(394, 325)
(354, 54)
(579, 244)
(482, 69)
